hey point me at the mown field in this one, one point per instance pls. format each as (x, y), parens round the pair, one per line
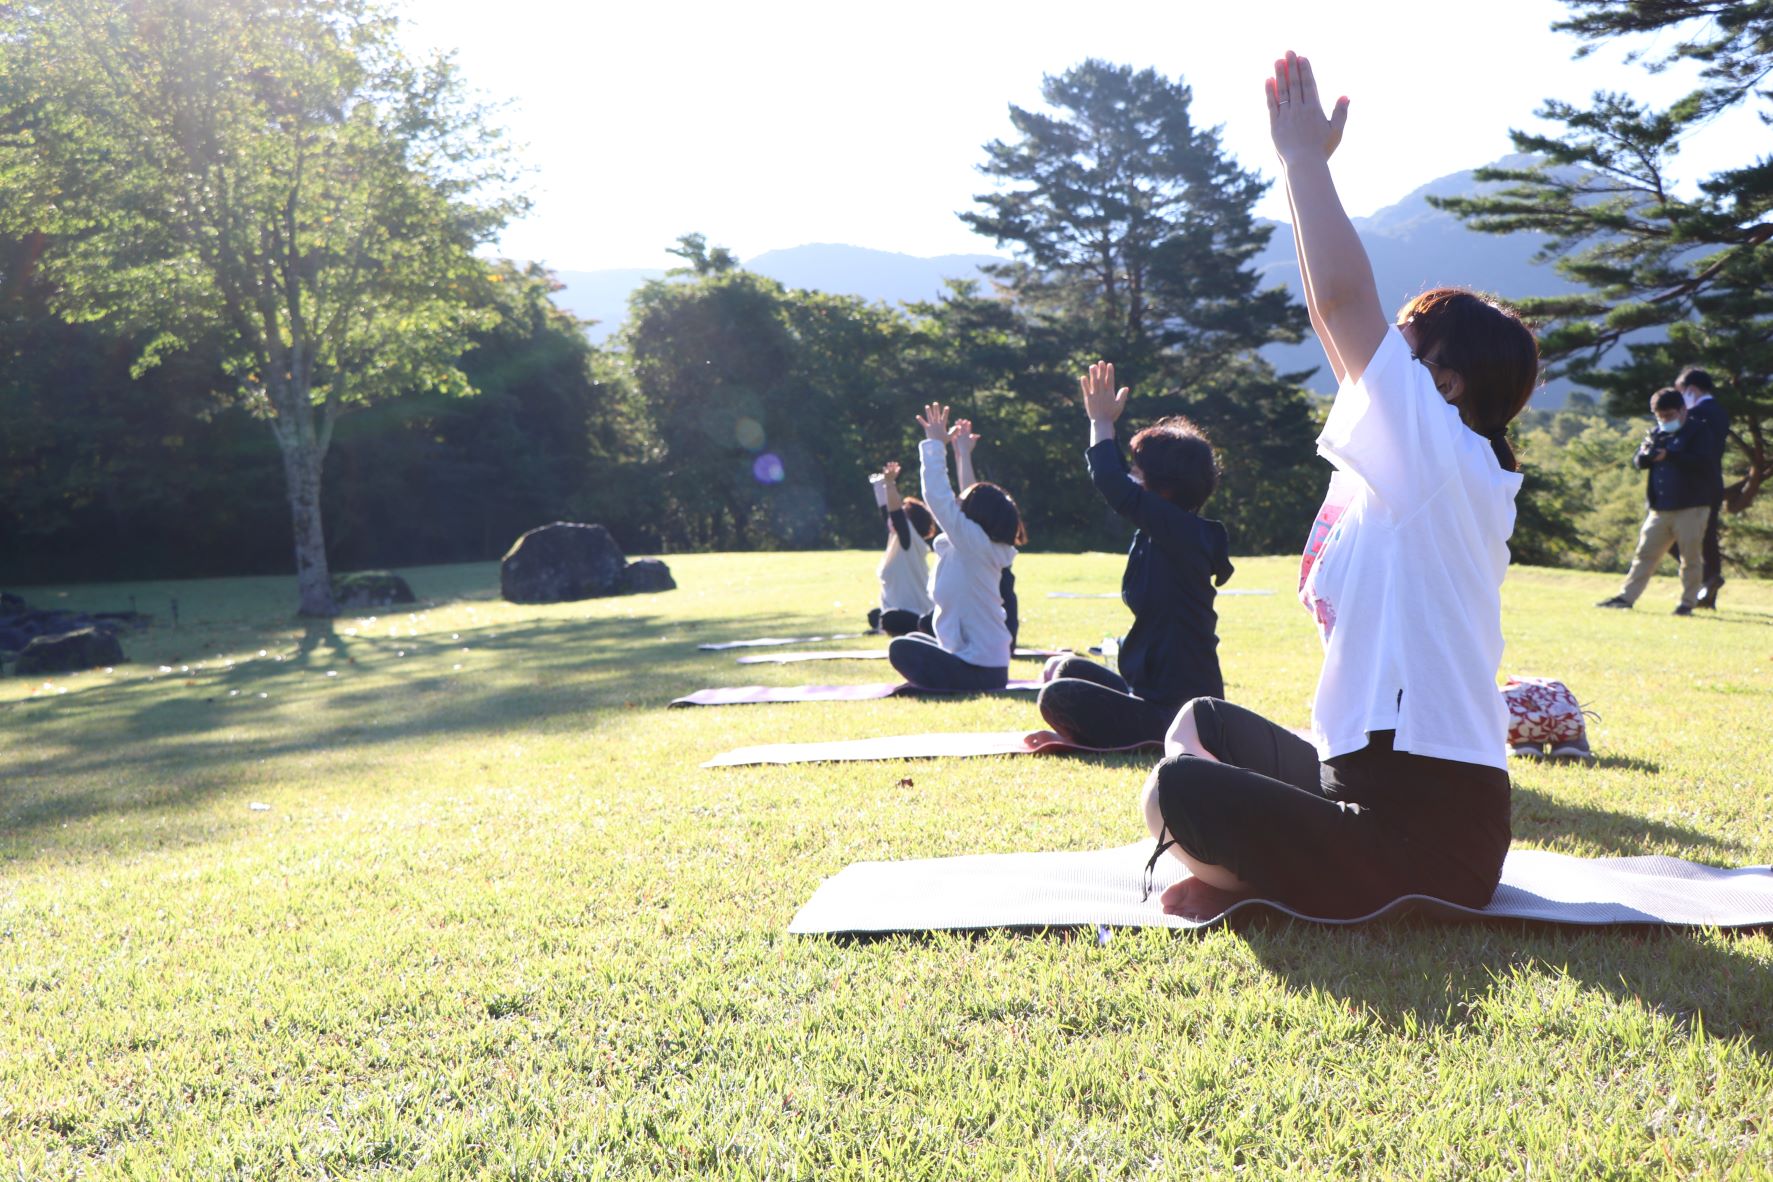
(444, 894)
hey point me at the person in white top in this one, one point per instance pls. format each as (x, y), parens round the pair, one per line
(1403, 788)
(981, 529)
(904, 568)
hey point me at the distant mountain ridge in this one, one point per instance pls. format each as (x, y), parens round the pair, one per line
(1413, 246)
(602, 296)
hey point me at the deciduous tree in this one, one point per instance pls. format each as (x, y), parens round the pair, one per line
(275, 176)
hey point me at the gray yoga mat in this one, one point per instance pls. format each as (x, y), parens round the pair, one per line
(927, 746)
(747, 695)
(1103, 887)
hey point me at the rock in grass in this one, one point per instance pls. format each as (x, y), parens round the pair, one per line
(648, 574)
(85, 648)
(560, 562)
(370, 588)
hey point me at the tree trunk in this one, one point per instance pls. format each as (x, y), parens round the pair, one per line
(302, 456)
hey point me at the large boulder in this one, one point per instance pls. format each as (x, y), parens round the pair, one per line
(647, 574)
(370, 588)
(85, 648)
(559, 562)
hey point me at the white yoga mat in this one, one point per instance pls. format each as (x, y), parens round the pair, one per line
(778, 641)
(927, 746)
(1103, 887)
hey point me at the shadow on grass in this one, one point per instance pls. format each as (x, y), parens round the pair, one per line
(173, 743)
(1541, 819)
(1417, 978)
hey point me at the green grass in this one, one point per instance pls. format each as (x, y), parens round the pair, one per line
(493, 921)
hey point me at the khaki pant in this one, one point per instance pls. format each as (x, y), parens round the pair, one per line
(1664, 528)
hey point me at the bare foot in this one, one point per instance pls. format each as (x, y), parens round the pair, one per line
(1193, 899)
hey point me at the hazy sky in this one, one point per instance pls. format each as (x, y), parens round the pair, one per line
(774, 124)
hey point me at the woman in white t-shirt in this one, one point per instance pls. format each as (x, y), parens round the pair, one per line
(1404, 787)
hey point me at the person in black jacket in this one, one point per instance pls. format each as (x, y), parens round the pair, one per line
(1177, 558)
(1677, 455)
(1696, 389)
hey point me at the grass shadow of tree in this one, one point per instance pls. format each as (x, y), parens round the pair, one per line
(1415, 977)
(178, 742)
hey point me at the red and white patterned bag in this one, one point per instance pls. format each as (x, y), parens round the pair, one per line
(1541, 710)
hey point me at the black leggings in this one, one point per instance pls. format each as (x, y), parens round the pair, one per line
(1341, 839)
(927, 665)
(899, 622)
(1095, 707)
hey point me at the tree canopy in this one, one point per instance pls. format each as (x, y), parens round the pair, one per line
(270, 179)
(1675, 280)
(1132, 225)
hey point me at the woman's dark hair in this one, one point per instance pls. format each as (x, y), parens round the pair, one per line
(1176, 458)
(1667, 398)
(995, 511)
(1695, 377)
(1487, 345)
(918, 517)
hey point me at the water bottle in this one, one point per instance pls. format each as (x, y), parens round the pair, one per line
(1111, 652)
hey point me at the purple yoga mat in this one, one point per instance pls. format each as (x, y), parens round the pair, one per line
(865, 654)
(1116, 594)
(745, 695)
(928, 746)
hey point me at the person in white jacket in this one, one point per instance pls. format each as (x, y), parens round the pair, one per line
(1403, 788)
(904, 568)
(981, 529)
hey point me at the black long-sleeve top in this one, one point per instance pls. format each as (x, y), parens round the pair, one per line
(1171, 653)
(1710, 413)
(1683, 478)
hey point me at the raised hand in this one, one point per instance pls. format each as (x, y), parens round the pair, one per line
(890, 470)
(962, 436)
(1296, 117)
(1101, 401)
(934, 421)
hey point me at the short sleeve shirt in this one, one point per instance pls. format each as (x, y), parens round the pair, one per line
(1403, 570)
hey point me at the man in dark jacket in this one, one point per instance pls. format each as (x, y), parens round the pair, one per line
(1696, 389)
(1676, 454)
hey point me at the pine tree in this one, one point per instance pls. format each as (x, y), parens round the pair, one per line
(1697, 272)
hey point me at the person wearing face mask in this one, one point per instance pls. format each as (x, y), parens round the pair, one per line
(1695, 386)
(1677, 456)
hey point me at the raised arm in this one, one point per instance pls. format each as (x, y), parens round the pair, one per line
(1101, 401)
(1317, 322)
(895, 506)
(964, 441)
(1341, 295)
(1180, 533)
(891, 471)
(938, 494)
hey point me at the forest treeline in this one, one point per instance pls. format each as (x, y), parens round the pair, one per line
(247, 314)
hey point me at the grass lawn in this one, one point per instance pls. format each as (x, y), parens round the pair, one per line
(444, 894)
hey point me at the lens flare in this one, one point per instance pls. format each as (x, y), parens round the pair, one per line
(749, 433)
(767, 469)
